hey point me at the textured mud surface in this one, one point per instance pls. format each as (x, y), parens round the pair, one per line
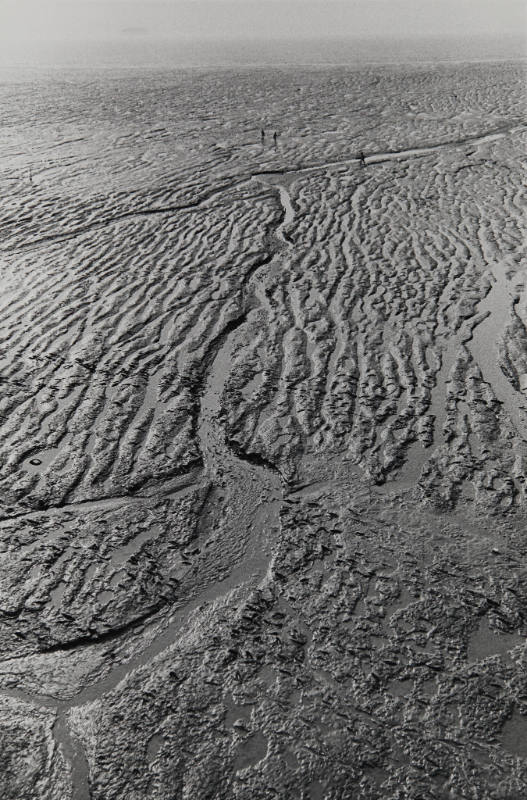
(263, 442)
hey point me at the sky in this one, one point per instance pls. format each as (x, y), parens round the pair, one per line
(42, 21)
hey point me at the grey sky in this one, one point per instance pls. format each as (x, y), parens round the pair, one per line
(51, 20)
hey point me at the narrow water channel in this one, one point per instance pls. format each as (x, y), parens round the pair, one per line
(254, 496)
(498, 305)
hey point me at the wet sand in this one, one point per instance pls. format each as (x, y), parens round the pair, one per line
(263, 436)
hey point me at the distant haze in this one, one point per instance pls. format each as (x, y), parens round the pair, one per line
(56, 20)
(150, 31)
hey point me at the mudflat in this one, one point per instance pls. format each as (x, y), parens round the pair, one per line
(263, 443)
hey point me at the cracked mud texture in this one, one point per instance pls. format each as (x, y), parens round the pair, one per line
(263, 442)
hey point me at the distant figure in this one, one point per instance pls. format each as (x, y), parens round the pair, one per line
(362, 159)
(30, 175)
(262, 134)
(275, 138)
